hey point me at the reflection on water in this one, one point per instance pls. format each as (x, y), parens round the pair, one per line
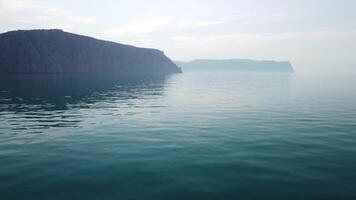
(196, 135)
(43, 101)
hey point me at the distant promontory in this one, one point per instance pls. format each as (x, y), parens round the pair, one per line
(56, 51)
(237, 64)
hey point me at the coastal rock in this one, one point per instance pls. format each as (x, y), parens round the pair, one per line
(56, 51)
(237, 64)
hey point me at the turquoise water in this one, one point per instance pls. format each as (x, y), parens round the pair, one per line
(196, 135)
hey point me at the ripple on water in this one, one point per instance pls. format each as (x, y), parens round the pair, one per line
(188, 136)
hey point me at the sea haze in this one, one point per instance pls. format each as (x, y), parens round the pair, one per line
(196, 135)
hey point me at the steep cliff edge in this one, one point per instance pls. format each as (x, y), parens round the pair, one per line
(56, 51)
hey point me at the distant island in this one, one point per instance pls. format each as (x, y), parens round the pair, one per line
(237, 64)
(56, 51)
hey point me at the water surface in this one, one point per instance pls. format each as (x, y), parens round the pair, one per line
(196, 135)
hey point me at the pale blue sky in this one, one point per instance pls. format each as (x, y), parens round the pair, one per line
(313, 34)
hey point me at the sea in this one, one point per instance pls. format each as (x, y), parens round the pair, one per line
(196, 135)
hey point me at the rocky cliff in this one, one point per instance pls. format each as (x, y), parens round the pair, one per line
(56, 51)
(238, 64)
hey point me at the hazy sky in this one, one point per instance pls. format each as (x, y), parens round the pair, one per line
(313, 34)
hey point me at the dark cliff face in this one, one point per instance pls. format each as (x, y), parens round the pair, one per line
(55, 51)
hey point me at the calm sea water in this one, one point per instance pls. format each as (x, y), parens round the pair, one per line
(197, 135)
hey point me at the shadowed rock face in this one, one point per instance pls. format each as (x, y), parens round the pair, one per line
(55, 51)
(238, 64)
